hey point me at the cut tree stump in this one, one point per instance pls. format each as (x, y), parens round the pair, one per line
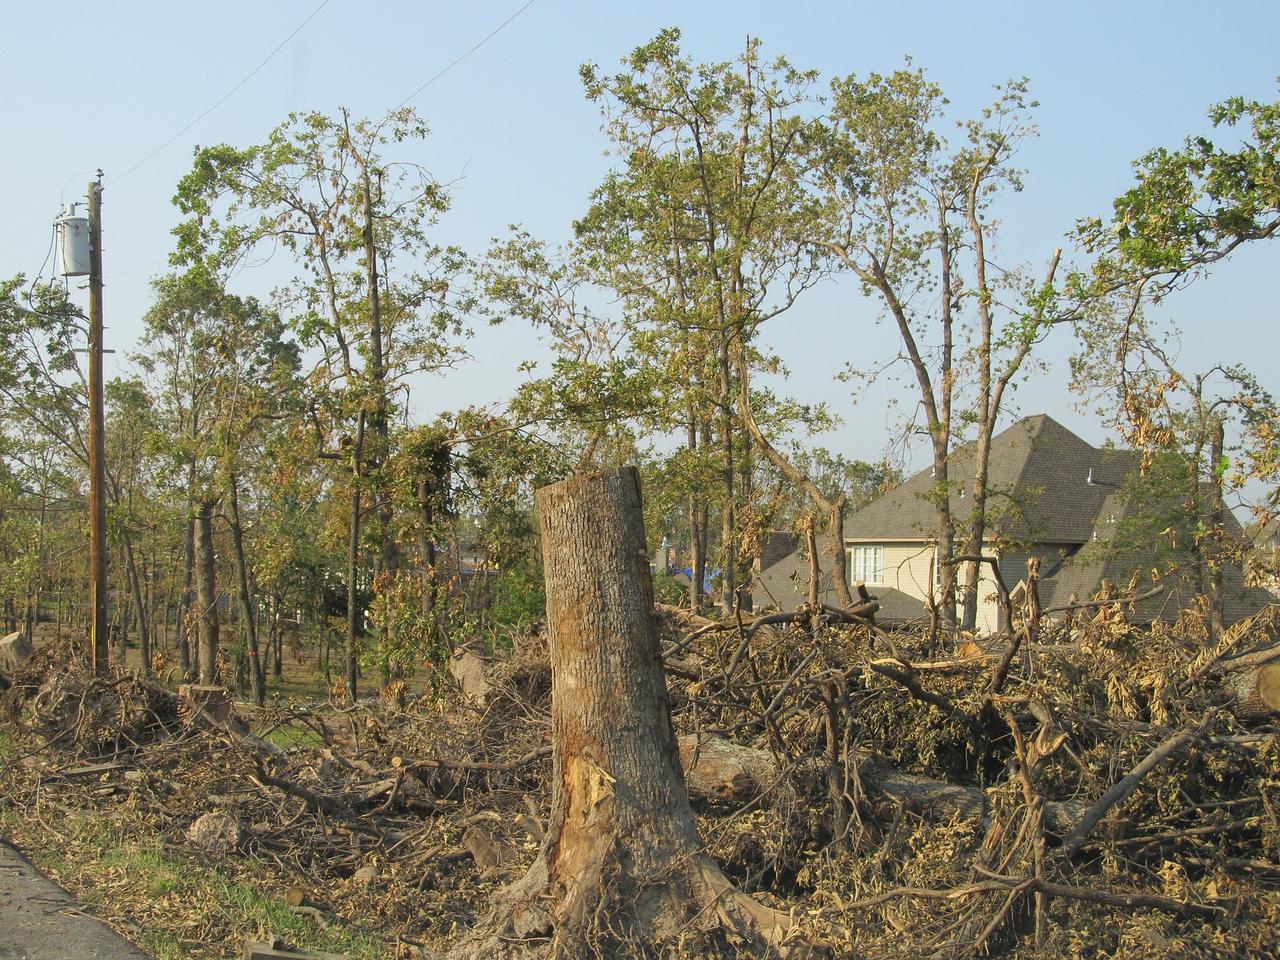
(622, 867)
(203, 700)
(15, 650)
(1255, 692)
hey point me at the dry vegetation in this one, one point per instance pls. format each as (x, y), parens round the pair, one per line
(1083, 789)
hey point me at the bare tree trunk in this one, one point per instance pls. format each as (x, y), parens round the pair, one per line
(834, 508)
(427, 546)
(247, 612)
(33, 582)
(274, 638)
(388, 557)
(1217, 442)
(353, 559)
(139, 606)
(121, 612)
(206, 596)
(697, 528)
(728, 542)
(622, 857)
(977, 525)
(946, 541)
(186, 603)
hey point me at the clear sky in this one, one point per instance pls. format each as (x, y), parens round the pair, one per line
(103, 84)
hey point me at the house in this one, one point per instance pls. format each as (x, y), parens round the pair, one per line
(1265, 542)
(1051, 496)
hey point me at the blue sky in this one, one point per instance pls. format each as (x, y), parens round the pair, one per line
(511, 128)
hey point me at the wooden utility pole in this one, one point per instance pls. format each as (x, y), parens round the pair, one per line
(98, 641)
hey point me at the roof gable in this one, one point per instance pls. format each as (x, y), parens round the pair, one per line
(1045, 484)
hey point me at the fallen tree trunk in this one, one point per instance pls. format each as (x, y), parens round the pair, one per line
(718, 769)
(936, 800)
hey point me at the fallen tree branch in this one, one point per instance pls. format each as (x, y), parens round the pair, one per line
(1167, 749)
(1091, 604)
(428, 763)
(1130, 901)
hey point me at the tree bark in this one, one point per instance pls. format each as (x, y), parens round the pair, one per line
(697, 526)
(139, 606)
(1218, 509)
(622, 859)
(728, 523)
(206, 596)
(353, 559)
(1255, 692)
(186, 602)
(247, 613)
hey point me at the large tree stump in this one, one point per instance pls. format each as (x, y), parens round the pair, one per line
(15, 650)
(1255, 692)
(621, 867)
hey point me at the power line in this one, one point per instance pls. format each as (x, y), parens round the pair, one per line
(21, 230)
(228, 95)
(225, 97)
(62, 195)
(123, 273)
(502, 26)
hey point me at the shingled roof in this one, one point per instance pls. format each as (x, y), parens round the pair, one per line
(1082, 576)
(1047, 487)
(1045, 484)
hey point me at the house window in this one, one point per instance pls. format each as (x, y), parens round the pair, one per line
(867, 564)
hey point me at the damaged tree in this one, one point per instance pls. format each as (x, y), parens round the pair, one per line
(622, 862)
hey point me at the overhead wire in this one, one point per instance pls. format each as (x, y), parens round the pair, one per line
(221, 100)
(230, 93)
(252, 73)
(440, 73)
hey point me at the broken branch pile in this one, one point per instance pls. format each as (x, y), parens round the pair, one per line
(1089, 788)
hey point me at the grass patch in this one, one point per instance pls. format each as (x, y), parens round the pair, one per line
(107, 861)
(295, 735)
(248, 907)
(163, 945)
(157, 873)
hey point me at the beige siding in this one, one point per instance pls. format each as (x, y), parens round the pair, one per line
(909, 567)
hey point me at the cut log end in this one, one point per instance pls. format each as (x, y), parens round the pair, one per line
(1256, 692)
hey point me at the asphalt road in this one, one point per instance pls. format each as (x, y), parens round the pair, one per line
(40, 921)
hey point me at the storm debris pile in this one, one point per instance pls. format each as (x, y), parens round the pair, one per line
(1082, 788)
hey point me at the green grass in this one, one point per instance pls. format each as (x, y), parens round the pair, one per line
(247, 904)
(295, 735)
(104, 845)
(163, 945)
(161, 874)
